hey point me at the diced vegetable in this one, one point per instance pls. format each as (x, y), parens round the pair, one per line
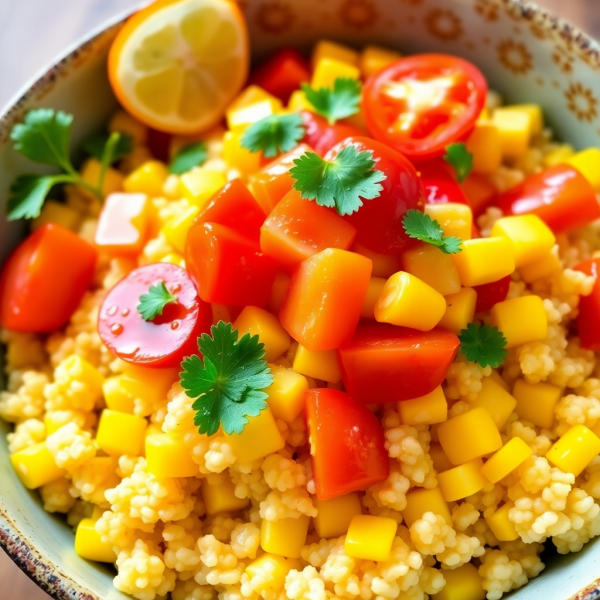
(496, 400)
(150, 385)
(479, 191)
(419, 501)
(250, 97)
(484, 261)
(500, 524)
(89, 545)
(281, 285)
(59, 214)
(506, 460)
(462, 481)
(587, 162)
(321, 364)
(588, 319)
(285, 537)
(426, 410)
(384, 265)
(321, 136)
(35, 466)
(433, 267)
(257, 321)
(147, 179)
(370, 538)
(574, 450)
(120, 433)
(536, 402)
(335, 515)
(440, 183)
(115, 395)
(238, 157)
(460, 310)
(376, 285)
(439, 459)
(543, 267)
(167, 456)
(514, 128)
(491, 293)
(200, 185)
(277, 568)
(327, 70)
(521, 320)
(485, 144)
(177, 228)
(455, 219)
(326, 49)
(374, 59)
(220, 497)
(463, 583)
(286, 394)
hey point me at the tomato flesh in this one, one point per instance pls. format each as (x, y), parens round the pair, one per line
(439, 184)
(588, 319)
(489, 294)
(321, 136)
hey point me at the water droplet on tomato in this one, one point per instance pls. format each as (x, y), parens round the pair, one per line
(116, 328)
(112, 310)
(175, 325)
(125, 312)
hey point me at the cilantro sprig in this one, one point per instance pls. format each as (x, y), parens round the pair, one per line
(154, 301)
(343, 182)
(337, 102)
(189, 156)
(422, 227)
(274, 134)
(460, 158)
(96, 144)
(228, 382)
(483, 344)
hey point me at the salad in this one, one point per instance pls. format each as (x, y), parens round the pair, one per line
(323, 328)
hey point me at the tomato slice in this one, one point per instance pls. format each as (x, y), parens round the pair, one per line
(166, 340)
(439, 183)
(489, 294)
(588, 319)
(321, 136)
(420, 104)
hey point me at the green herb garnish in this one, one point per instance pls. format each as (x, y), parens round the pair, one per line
(460, 158)
(422, 227)
(483, 344)
(274, 134)
(189, 156)
(96, 144)
(154, 301)
(338, 102)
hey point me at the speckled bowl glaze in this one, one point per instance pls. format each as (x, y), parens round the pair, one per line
(527, 55)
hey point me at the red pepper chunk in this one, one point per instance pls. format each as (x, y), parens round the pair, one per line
(561, 196)
(440, 186)
(588, 319)
(384, 363)
(44, 279)
(347, 444)
(321, 136)
(489, 294)
(227, 266)
(298, 228)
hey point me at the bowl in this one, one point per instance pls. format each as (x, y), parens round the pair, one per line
(527, 54)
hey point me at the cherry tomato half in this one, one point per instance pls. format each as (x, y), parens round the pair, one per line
(321, 136)
(588, 319)
(439, 183)
(420, 104)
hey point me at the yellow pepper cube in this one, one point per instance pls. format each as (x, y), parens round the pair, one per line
(174, 258)
(455, 219)
(536, 402)
(464, 583)
(433, 267)
(376, 285)
(460, 310)
(115, 395)
(259, 438)
(514, 128)
(426, 410)
(484, 260)
(237, 157)
(506, 460)
(147, 179)
(521, 320)
(90, 173)
(123, 122)
(485, 144)
(499, 379)
(298, 102)
(501, 526)
(374, 59)
(420, 501)
(335, 515)
(384, 265)
(318, 365)
(533, 112)
(220, 497)
(253, 95)
(462, 481)
(97, 512)
(370, 538)
(469, 436)
(587, 162)
(59, 214)
(438, 457)
(541, 268)
(176, 229)
(167, 456)
(530, 237)
(281, 285)
(496, 400)
(271, 571)
(149, 385)
(257, 321)
(574, 450)
(239, 119)
(559, 155)
(286, 393)
(198, 186)
(407, 301)
(89, 544)
(326, 49)
(53, 421)
(327, 70)
(119, 433)
(285, 537)
(35, 466)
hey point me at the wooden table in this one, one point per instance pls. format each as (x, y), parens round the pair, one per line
(25, 33)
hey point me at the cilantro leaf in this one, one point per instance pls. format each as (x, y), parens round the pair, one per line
(343, 182)
(483, 344)
(95, 146)
(335, 103)
(189, 156)
(420, 226)
(154, 301)
(27, 195)
(460, 158)
(227, 383)
(274, 134)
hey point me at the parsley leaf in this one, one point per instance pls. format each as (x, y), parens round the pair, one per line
(154, 301)
(483, 344)
(335, 103)
(274, 134)
(96, 143)
(343, 182)
(422, 227)
(227, 384)
(27, 195)
(460, 158)
(189, 156)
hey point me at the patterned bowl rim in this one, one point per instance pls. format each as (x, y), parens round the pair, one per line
(53, 579)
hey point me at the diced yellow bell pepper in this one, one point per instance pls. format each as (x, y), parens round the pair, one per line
(384, 265)
(485, 144)
(506, 460)
(574, 450)
(326, 49)
(496, 400)
(167, 456)
(199, 186)
(285, 537)
(455, 219)
(370, 538)
(272, 571)
(175, 259)
(533, 113)
(438, 457)
(90, 173)
(257, 321)
(335, 515)
(286, 393)
(536, 402)
(119, 433)
(123, 122)
(374, 59)
(84, 371)
(115, 395)
(89, 544)
(327, 70)
(587, 162)
(237, 157)
(150, 385)
(514, 128)
(559, 155)
(152, 429)
(499, 380)
(97, 512)
(147, 179)
(484, 260)
(177, 228)
(259, 438)
(433, 267)
(426, 410)
(281, 285)
(220, 497)
(469, 436)
(319, 365)
(251, 96)
(501, 526)
(239, 119)
(407, 301)
(462, 481)
(541, 268)
(460, 310)
(59, 214)
(376, 285)
(464, 583)
(35, 466)
(419, 501)
(521, 320)
(53, 421)
(298, 102)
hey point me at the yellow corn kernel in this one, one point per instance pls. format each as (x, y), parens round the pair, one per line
(90, 173)
(433, 267)
(370, 538)
(501, 526)
(147, 179)
(536, 402)
(199, 186)
(514, 128)
(438, 457)
(237, 157)
(115, 396)
(506, 460)
(285, 537)
(35, 466)
(541, 268)
(259, 437)
(574, 450)
(587, 162)
(460, 310)
(327, 70)
(384, 265)
(521, 320)
(326, 49)
(462, 481)
(275, 566)
(123, 122)
(533, 113)
(485, 143)
(376, 285)
(374, 59)
(89, 544)
(167, 456)
(281, 285)
(426, 410)
(174, 258)
(58, 213)
(286, 393)
(469, 436)
(419, 501)
(318, 365)
(464, 583)
(149, 385)
(455, 219)
(559, 155)
(484, 260)
(177, 228)
(220, 497)
(335, 515)
(119, 433)
(496, 400)
(257, 321)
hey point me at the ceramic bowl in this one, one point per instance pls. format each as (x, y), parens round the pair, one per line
(527, 55)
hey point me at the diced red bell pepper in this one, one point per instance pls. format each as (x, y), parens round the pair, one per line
(321, 136)
(384, 363)
(439, 183)
(489, 294)
(479, 191)
(44, 279)
(298, 228)
(159, 144)
(346, 444)
(227, 266)
(588, 319)
(561, 196)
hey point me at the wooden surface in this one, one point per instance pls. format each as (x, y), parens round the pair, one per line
(32, 32)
